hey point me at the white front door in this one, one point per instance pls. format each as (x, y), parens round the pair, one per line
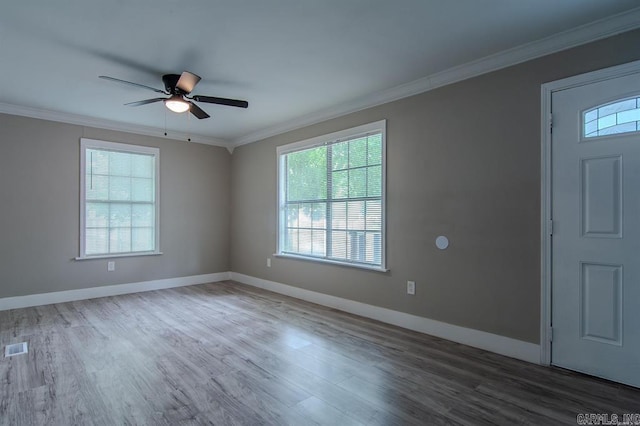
(596, 229)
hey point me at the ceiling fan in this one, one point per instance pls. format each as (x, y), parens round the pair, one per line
(179, 87)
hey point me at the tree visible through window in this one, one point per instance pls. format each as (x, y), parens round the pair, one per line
(331, 198)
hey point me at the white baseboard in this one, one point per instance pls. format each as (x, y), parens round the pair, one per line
(108, 290)
(513, 348)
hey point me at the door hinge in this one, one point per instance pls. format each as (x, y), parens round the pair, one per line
(551, 123)
(550, 225)
(550, 334)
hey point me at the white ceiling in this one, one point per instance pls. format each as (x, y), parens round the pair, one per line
(295, 61)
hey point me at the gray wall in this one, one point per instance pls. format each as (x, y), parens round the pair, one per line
(463, 161)
(39, 225)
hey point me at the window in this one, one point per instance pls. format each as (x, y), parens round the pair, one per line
(332, 197)
(614, 118)
(119, 199)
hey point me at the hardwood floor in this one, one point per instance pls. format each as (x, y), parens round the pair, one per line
(227, 353)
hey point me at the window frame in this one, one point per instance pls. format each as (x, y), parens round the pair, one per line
(85, 144)
(584, 136)
(323, 140)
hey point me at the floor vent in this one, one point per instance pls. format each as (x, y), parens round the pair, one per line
(15, 349)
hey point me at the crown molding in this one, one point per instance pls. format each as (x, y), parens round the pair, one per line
(583, 34)
(81, 120)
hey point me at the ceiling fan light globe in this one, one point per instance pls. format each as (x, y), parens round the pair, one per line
(177, 104)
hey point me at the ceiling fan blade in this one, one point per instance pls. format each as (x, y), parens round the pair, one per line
(221, 101)
(117, 80)
(187, 81)
(146, 101)
(197, 111)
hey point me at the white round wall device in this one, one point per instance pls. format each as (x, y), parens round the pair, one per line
(442, 242)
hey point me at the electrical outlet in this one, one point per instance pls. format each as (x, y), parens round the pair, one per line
(111, 266)
(411, 287)
(268, 262)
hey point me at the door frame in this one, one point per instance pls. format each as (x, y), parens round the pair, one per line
(547, 90)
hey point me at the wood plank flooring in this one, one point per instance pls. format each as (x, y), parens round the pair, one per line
(229, 354)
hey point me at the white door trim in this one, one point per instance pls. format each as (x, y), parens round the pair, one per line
(545, 188)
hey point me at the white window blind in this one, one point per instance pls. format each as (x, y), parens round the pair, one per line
(332, 197)
(119, 199)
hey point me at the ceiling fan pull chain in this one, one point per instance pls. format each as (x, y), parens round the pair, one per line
(189, 127)
(165, 122)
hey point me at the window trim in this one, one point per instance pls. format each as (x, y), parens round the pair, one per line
(126, 148)
(347, 134)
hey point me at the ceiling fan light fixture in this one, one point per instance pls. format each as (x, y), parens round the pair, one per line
(176, 104)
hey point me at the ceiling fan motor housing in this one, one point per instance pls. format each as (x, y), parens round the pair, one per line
(170, 81)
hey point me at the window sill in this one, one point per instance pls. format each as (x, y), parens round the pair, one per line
(110, 256)
(332, 262)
